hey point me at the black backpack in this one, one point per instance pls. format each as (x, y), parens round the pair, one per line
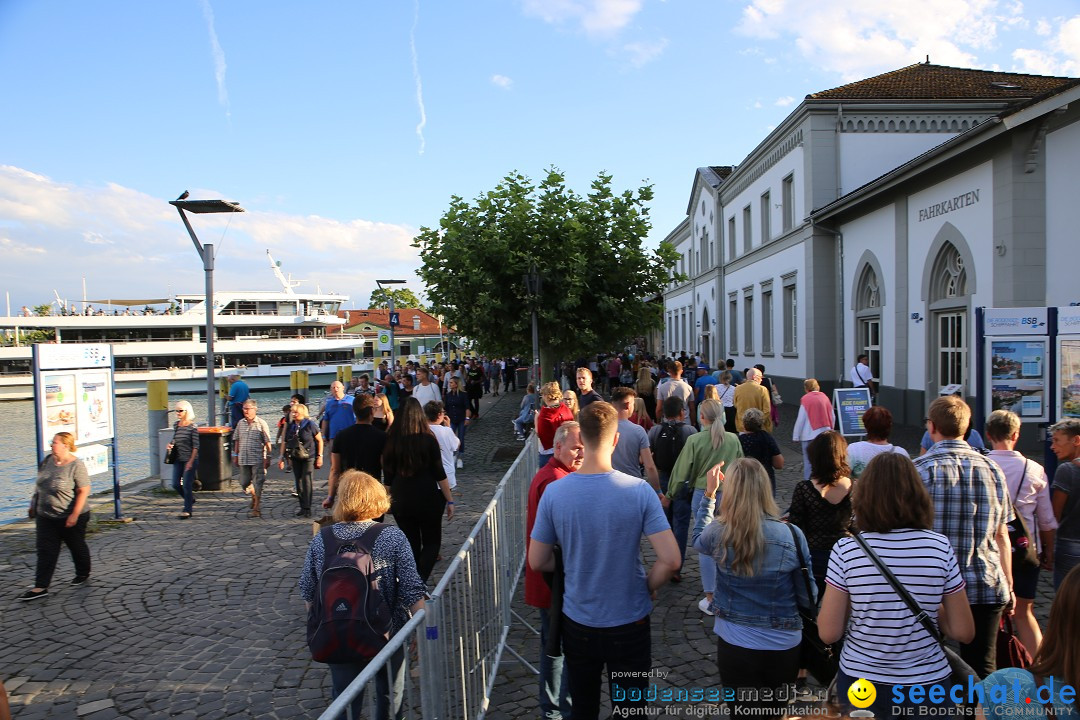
(350, 620)
(669, 443)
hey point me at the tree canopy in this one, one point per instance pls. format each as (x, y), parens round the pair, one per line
(596, 275)
(403, 298)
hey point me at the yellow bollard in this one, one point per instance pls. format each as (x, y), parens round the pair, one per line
(346, 374)
(302, 382)
(157, 403)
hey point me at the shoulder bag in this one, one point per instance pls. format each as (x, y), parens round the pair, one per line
(816, 656)
(1024, 556)
(961, 671)
(172, 453)
(294, 446)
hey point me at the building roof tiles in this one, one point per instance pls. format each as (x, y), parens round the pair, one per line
(923, 81)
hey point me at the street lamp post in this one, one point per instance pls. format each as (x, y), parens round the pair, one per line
(533, 285)
(206, 252)
(390, 316)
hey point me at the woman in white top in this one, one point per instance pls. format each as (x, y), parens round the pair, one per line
(726, 392)
(877, 422)
(894, 512)
(1029, 489)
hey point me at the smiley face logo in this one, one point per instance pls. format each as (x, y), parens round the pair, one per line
(862, 693)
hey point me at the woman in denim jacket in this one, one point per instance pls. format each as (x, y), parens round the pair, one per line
(759, 587)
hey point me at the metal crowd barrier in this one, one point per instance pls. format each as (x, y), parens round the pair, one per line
(462, 632)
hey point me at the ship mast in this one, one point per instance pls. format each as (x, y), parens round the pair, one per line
(287, 284)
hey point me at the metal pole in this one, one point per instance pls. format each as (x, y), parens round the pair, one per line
(208, 266)
(390, 297)
(536, 349)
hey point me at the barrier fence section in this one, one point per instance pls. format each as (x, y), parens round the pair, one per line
(462, 632)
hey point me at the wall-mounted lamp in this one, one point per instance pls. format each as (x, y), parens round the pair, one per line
(917, 317)
(1000, 249)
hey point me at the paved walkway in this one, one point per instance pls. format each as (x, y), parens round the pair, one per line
(198, 618)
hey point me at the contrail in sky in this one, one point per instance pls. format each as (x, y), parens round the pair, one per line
(219, 58)
(416, 75)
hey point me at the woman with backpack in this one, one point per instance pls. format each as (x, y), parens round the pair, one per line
(329, 575)
(303, 447)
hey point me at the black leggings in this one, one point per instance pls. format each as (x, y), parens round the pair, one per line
(753, 670)
(50, 533)
(424, 531)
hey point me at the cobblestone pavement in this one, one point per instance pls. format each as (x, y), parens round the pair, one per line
(683, 643)
(195, 618)
(202, 619)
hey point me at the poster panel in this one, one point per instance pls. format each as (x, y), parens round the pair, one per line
(1068, 379)
(1018, 377)
(850, 404)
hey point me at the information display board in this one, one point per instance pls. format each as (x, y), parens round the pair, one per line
(1018, 376)
(850, 404)
(73, 388)
(1069, 377)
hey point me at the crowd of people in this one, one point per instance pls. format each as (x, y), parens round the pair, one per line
(683, 464)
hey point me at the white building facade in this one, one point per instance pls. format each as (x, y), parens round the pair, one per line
(803, 291)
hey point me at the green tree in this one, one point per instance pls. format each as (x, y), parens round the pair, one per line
(43, 310)
(588, 251)
(403, 298)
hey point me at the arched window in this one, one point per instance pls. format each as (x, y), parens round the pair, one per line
(948, 291)
(868, 318)
(949, 278)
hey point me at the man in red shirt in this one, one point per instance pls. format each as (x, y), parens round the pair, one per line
(569, 453)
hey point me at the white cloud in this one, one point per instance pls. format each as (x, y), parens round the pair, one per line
(858, 39)
(595, 17)
(784, 101)
(1043, 28)
(502, 81)
(219, 58)
(1060, 54)
(130, 243)
(642, 53)
(12, 247)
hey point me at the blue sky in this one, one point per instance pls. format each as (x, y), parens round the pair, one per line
(344, 127)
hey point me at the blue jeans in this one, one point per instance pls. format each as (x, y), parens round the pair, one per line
(626, 650)
(554, 684)
(678, 515)
(459, 430)
(1066, 557)
(236, 412)
(183, 482)
(389, 686)
(708, 566)
(522, 420)
(805, 461)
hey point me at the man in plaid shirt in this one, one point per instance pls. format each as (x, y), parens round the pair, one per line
(971, 507)
(251, 453)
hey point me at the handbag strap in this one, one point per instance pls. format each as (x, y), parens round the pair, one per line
(812, 610)
(1021, 485)
(913, 605)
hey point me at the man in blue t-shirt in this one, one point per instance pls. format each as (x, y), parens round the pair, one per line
(239, 392)
(598, 515)
(339, 412)
(704, 379)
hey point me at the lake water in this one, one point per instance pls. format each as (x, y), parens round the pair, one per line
(18, 466)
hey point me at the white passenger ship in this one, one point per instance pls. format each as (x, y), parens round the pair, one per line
(262, 335)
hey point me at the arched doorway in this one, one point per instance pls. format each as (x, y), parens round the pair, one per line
(948, 284)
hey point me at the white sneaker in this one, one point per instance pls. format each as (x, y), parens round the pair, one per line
(459, 463)
(703, 606)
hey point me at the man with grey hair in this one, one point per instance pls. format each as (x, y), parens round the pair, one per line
(751, 394)
(339, 412)
(251, 448)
